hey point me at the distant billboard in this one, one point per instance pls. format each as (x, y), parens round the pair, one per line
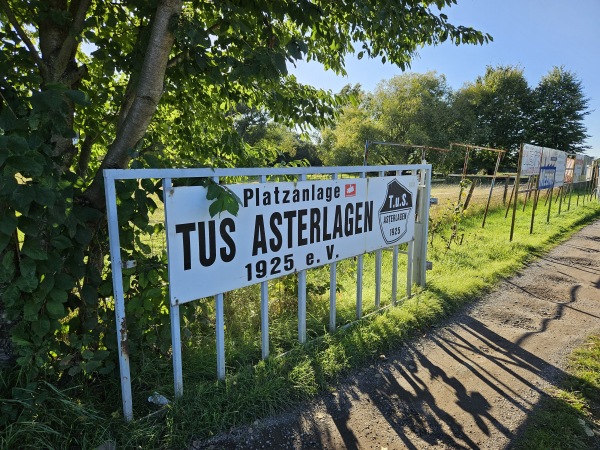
(530, 162)
(552, 168)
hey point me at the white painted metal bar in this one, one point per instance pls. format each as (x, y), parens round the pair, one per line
(359, 273)
(133, 174)
(264, 318)
(422, 228)
(332, 296)
(176, 349)
(264, 307)
(220, 326)
(378, 255)
(174, 314)
(119, 296)
(302, 296)
(395, 268)
(409, 269)
(332, 287)
(220, 332)
(359, 285)
(394, 275)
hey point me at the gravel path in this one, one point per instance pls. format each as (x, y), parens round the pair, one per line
(470, 383)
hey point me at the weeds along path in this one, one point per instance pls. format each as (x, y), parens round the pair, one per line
(470, 383)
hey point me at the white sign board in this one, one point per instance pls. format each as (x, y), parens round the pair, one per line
(552, 168)
(281, 228)
(530, 162)
(579, 169)
(589, 168)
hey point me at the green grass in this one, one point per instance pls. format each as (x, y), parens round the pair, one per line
(557, 421)
(255, 388)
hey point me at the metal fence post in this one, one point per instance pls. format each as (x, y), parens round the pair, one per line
(264, 307)
(119, 296)
(422, 228)
(302, 296)
(174, 314)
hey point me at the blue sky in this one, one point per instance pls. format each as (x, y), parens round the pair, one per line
(533, 34)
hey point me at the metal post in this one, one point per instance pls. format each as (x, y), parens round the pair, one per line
(378, 255)
(119, 296)
(220, 313)
(409, 268)
(359, 275)
(174, 312)
(176, 349)
(359, 285)
(377, 279)
(264, 307)
(333, 286)
(264, 318)
(332, 296)
(394, 274)
(422, 228)
(302, 297)
(302, 306)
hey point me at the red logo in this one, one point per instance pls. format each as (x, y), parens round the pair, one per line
(350, 190)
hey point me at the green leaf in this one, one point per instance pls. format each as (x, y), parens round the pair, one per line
(32, 247)
(86, 214)
(31, 165)
(10, 122)
(4, 240)
(28, 280)
(44, 288)
(61, 242)
(8, 222)
(22, 198)
(41, 327)
(215, 208)
(11, 295)
(55, 309)
(31, 310)
(78, 97)
(8, 185)
(29, 226)
(152, 293)
(7, 270)
(213, 191)
(44, 196)
(101, 355)
(89, 294)
(105, 288)
(64, 281)
(58, 295)
(83, 235)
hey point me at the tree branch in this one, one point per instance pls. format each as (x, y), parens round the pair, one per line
(73, 77)
(68, 46)
(24, 36)
(148, 92)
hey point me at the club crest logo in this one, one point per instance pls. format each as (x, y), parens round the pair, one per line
(394, 212)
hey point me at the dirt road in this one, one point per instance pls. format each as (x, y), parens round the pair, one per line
(470, 383)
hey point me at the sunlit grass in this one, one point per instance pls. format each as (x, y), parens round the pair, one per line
(558, 421)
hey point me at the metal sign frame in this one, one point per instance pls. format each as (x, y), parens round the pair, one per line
(416, 267)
